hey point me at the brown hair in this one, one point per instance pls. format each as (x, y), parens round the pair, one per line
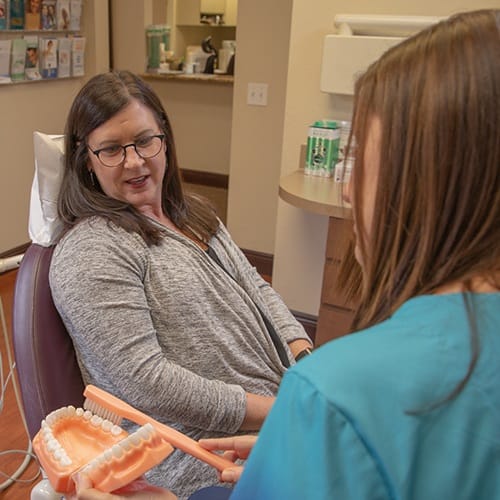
(437, 206)
(100, 99)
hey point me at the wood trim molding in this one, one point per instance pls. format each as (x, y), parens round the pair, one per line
(205, 178)
(309, 322)
(262, 261)
(15, 251)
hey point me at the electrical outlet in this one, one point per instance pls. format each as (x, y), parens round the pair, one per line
(257, 94)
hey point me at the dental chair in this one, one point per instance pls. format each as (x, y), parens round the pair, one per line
(47, 369)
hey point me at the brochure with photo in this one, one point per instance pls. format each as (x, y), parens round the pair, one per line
(32, 14)
(48, 62)
(32, 65)
(63, 15)
(16, 14)
(3, 15)
(48, 16)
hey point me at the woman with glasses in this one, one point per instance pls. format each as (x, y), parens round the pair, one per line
(164, 310)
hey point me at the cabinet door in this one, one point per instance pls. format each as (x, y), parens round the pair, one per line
(231, 12)
(188, 12)
(335, 314)
(213, 6)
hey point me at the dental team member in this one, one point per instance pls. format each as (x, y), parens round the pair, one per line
(164, 310)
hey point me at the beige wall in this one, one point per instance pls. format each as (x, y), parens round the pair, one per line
(27, 107)
(262, 40)
(200, 114)
(259, 221)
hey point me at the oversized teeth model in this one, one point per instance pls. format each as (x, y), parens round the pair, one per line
(75, 439)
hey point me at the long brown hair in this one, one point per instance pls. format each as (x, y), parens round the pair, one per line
(437, 207)
(100, 99)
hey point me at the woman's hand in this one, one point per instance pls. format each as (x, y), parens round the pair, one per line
(234, 448)
(137, 490)
(257, 409)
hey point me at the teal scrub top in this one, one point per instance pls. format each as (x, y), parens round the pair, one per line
(358, 418)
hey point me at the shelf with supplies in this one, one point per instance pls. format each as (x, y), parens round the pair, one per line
(195, 77)
(40, 40)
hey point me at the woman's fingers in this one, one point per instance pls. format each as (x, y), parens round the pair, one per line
(239, 445)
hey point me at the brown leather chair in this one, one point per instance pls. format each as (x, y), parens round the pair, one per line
(46, 364)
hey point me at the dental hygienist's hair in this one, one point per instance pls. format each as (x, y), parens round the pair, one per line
(102, 97)
(437, 210)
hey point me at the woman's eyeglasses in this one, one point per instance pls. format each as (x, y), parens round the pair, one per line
(114, 156)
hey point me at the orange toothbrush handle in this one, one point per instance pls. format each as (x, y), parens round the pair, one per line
(177, 439)
(192, 447)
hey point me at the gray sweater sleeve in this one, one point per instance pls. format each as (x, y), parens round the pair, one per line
(261, 292)
(97, 279)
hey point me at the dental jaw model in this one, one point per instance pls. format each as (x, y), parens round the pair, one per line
(72, 440)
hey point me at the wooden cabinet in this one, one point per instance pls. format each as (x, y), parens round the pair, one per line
(335, 312)
(324, 197)
(188, 11)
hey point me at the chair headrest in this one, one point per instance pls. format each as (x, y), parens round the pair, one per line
(44, 223)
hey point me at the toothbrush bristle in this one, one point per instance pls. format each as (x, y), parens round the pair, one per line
(97, 409)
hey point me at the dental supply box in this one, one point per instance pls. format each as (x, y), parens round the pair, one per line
(322, 150)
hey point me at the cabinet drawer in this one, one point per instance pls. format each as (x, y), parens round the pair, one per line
(330, 294)
(340, 233)
(333, 322)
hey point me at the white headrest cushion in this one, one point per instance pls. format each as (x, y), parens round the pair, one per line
(44, 224)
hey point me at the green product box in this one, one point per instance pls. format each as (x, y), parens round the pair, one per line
(322, 150)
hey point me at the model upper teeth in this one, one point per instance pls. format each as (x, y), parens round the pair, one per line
(55, 420)
(58, 420)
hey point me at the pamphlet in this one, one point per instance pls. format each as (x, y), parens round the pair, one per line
(48, 18)
(63, 15)
(78, 56)
(3, 15)
(5, 61)
(48, 65)
(18, 59)
(75, 13)
(16, 14)
(32, 12)
(64, 57)
(32, 66)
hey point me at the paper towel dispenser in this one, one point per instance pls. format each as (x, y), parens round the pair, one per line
(359, 41)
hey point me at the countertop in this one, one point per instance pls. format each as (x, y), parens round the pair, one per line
(321, 195)
(195, 77)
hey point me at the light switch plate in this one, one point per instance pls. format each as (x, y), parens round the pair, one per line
(257, 94)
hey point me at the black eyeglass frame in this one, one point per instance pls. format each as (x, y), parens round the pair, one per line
(124, 150)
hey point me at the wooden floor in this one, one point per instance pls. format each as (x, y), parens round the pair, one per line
(12, 433)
